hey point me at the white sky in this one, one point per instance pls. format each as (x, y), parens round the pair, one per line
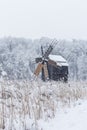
(37, 18)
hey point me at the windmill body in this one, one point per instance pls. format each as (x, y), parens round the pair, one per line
(52, 67)
(60, 71)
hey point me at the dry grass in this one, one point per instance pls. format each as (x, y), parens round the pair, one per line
(23, 101)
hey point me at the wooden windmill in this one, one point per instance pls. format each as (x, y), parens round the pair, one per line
(53, 67)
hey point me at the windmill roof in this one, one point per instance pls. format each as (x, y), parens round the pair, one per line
(59, 60)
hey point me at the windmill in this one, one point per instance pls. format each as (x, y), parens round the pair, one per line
(44, 60)
(53, 67)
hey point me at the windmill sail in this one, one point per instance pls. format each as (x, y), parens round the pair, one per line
(38, 69)
(46, 71)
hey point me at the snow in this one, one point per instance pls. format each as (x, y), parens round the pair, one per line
(62, 64)
(4, 73)
(74, 118)
(59, 59)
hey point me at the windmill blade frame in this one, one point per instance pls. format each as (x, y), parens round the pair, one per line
(50, 48)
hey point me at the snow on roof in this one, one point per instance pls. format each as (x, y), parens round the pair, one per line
(59, 59)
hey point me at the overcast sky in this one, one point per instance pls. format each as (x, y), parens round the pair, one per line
(49, 18)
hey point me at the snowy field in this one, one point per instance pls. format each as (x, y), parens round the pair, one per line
(74, 118)
(38, 105)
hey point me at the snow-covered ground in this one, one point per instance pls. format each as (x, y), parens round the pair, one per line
(74, 118)
(38, 105)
